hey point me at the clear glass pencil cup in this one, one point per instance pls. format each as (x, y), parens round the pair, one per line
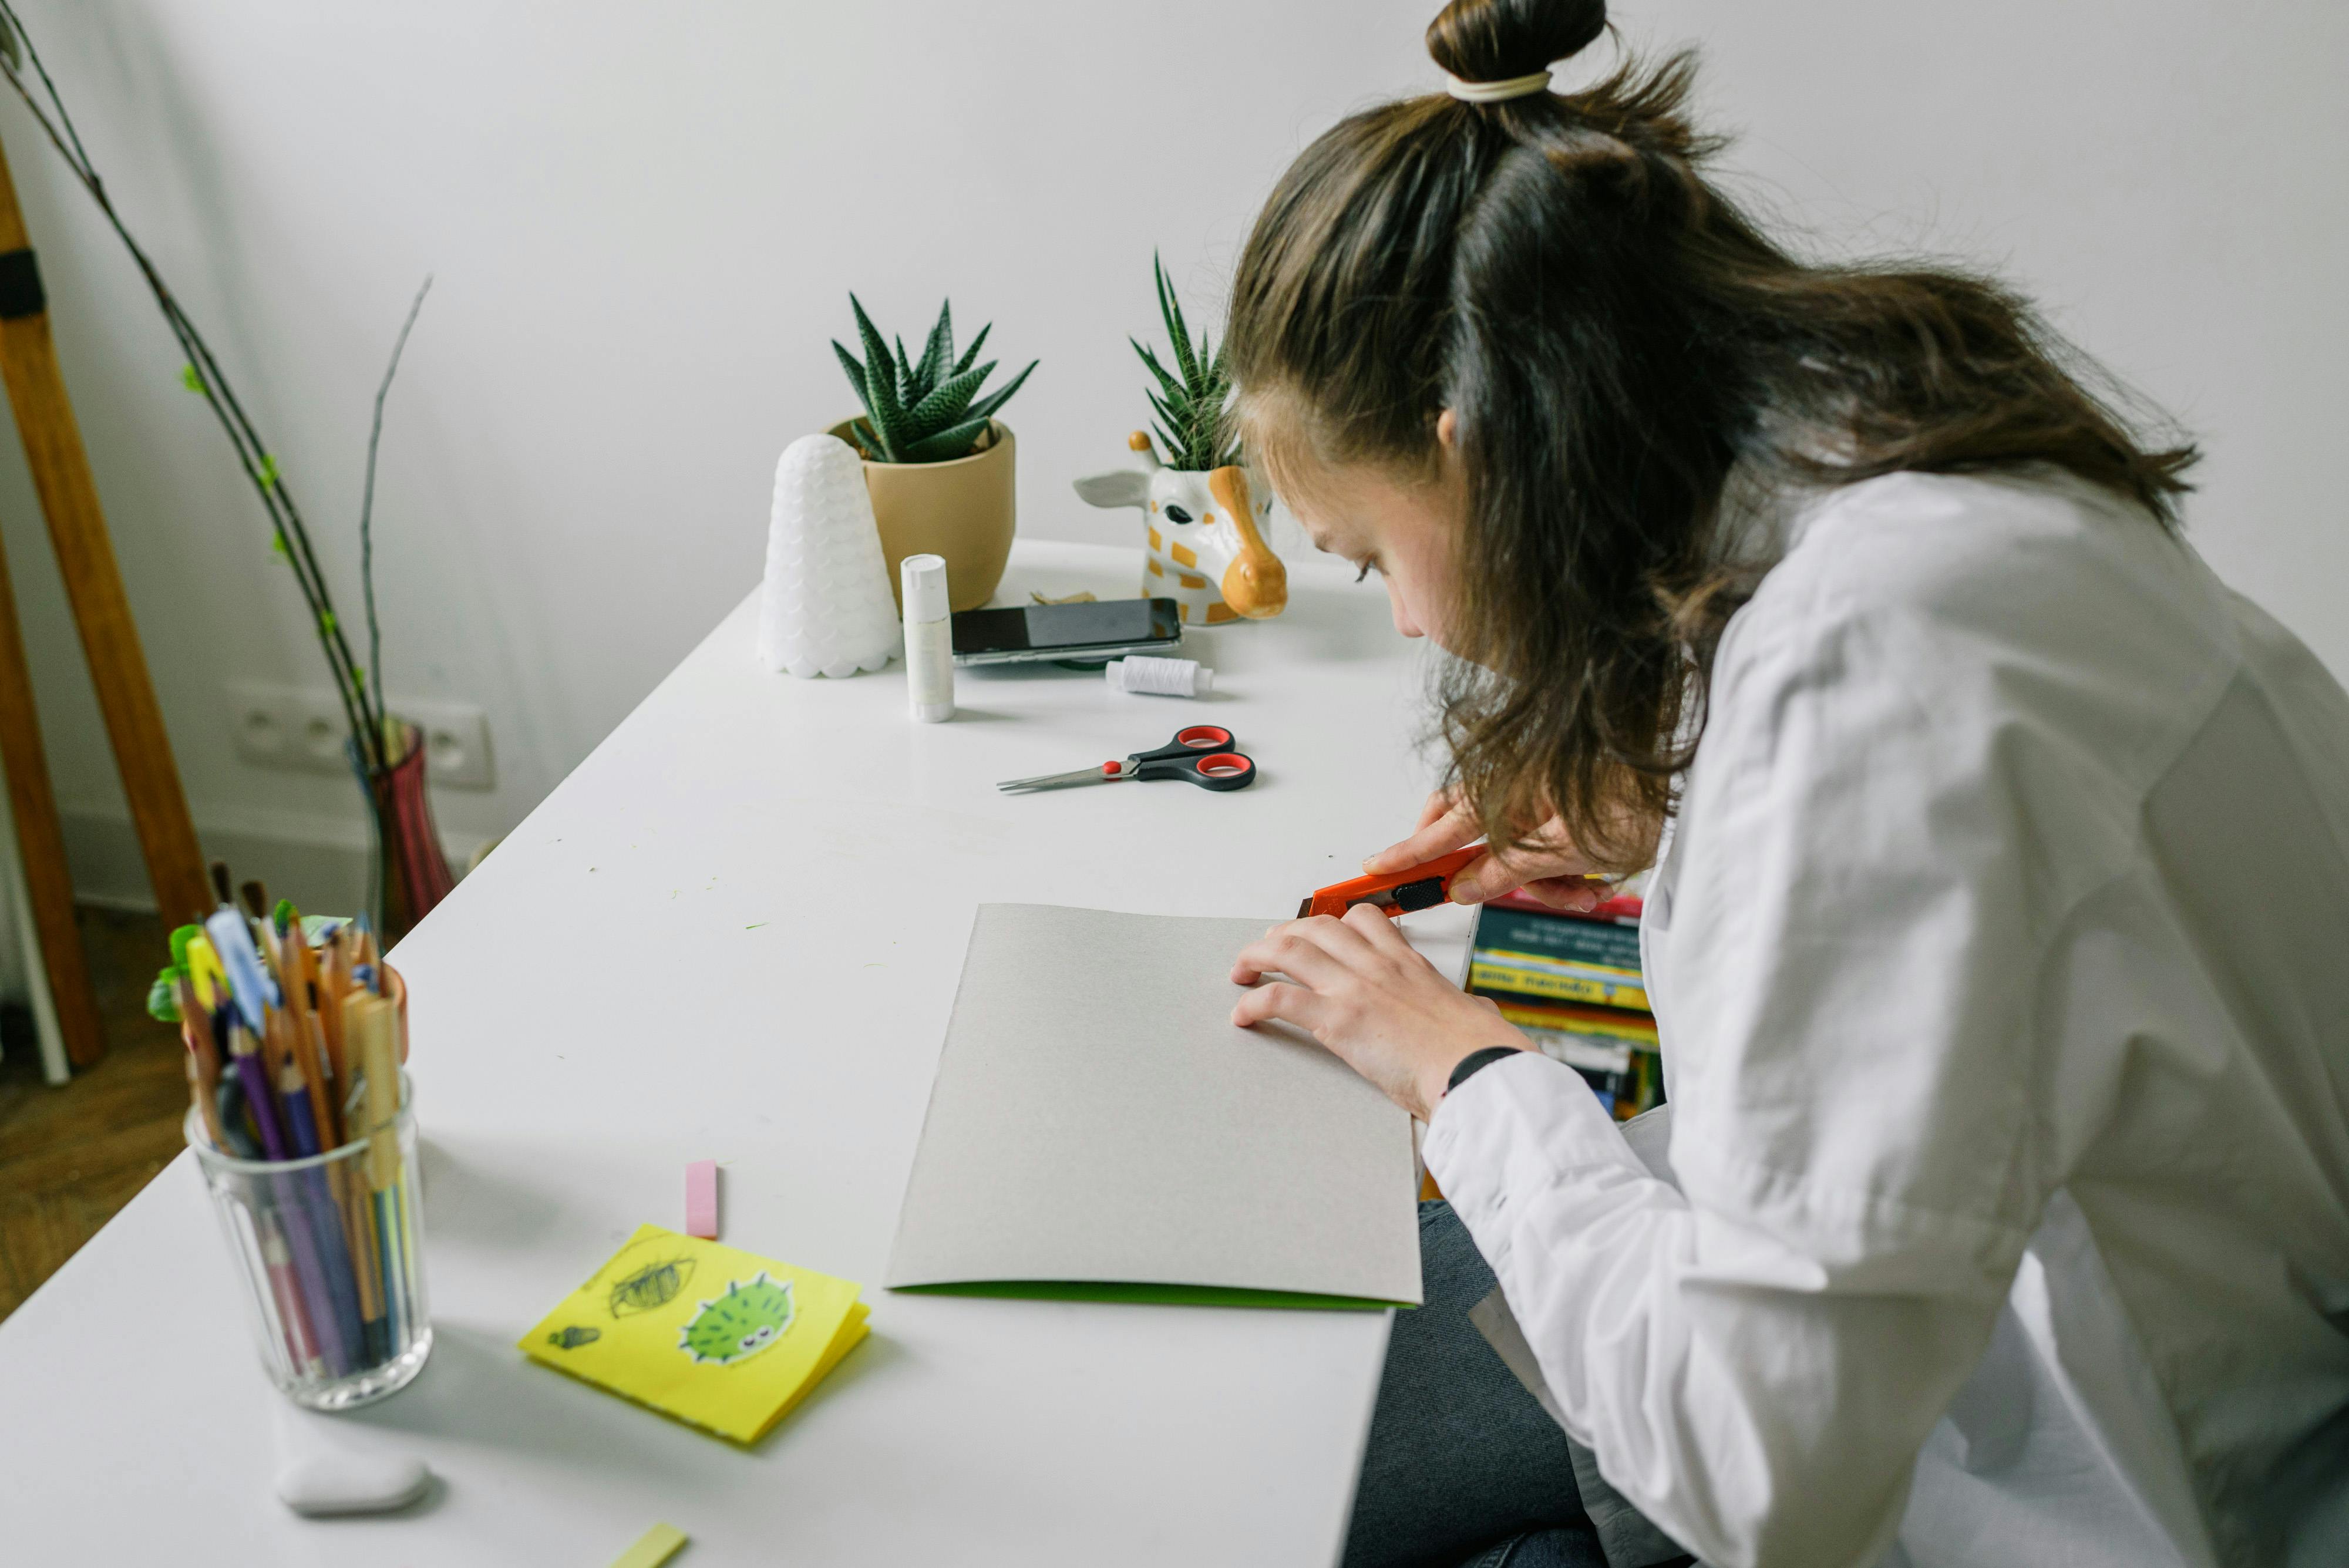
(330, 1251)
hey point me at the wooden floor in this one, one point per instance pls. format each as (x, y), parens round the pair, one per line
(71, 1156)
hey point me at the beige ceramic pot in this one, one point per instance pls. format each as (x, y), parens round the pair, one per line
(961, 510)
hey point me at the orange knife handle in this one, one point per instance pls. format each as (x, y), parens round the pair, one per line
(1418, 886)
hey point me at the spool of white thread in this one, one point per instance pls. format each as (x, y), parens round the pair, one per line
(1159, 677)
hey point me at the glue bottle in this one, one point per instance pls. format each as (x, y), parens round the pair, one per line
(930, 640)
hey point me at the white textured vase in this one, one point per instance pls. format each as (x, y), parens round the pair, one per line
(826, 608)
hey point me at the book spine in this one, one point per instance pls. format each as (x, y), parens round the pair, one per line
(1636, 1030)
(1583, 1053)
(1585, 941)
(1562, 982)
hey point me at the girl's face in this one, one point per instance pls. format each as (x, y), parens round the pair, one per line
(1404, 531)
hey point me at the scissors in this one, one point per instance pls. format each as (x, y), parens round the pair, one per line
(1202, 754)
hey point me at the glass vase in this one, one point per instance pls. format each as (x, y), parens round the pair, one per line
(409, 874)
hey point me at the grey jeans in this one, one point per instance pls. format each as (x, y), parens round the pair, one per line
(1465, 1469)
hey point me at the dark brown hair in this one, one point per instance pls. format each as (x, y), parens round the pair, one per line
(1612, 334)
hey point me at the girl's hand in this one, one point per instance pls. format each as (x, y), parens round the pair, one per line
(1355, 985)
(1549, 868)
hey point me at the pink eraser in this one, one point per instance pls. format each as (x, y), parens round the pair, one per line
(701, 1200)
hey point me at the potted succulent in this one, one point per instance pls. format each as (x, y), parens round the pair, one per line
(1202, 520)
(938, 462)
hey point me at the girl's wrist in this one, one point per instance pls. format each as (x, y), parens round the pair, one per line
(1450, 1071)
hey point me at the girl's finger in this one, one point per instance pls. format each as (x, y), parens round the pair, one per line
(1441, 836)
(1313, 952)
(1568, 893)
(1487, 876)
(1289, 1003)
(1378, 929)
(1490, 876)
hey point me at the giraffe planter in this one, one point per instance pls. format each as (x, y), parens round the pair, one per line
(1204, 546)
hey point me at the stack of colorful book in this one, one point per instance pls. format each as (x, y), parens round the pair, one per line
(1573, 983)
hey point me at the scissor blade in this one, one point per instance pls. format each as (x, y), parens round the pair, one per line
(1057, 781)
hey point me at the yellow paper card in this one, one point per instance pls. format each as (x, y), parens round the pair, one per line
(709, 1334)
(653, 1548)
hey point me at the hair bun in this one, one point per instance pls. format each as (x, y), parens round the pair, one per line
(1495, 40)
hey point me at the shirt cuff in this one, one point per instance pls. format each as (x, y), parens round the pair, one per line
(1523, 1128)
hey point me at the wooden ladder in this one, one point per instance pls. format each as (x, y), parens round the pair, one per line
(109, 639)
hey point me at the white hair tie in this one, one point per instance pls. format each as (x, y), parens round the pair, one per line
(1496, 92)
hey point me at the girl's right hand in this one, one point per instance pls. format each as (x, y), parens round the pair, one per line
(1549, 868)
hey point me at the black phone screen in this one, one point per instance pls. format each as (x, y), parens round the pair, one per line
(1103, 623)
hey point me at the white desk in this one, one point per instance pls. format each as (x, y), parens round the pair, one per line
(735, 932)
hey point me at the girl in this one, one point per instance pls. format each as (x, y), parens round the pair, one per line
(1997, 926)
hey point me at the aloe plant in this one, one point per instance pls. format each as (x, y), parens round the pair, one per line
(925, 412)
(1191, 411)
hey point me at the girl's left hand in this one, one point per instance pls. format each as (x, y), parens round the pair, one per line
(1358, 987)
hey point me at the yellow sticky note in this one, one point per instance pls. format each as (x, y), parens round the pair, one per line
(711, 1334)
(653, 1548)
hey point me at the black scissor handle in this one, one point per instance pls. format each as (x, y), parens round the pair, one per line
(1210, 769)
(1190, 743)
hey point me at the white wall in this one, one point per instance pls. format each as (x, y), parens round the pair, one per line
(645, 220)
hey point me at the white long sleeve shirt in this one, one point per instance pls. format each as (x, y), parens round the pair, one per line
(2001, 957)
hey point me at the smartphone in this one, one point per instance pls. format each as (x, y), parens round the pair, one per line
(1102, 630)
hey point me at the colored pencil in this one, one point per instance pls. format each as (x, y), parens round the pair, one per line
(325, 1215)
(277, 1050)
(253, 1076)
(334, 984)
(367, 1026)
(309, 1268)
(203, 1059)
(318, 1294)
(367, 1260)
(309, 1071)
(229, 1102)
(287, 1294)
(208, 1112)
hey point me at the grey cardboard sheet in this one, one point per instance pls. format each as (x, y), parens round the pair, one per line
(1096, 1119)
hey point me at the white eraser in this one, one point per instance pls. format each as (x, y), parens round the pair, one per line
(323, 1484)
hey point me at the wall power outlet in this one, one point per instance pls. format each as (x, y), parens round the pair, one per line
(302, 729)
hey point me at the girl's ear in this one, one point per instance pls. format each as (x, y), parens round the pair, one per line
(1447, 430)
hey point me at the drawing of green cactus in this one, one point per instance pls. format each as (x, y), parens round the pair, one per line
(750, 1316)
